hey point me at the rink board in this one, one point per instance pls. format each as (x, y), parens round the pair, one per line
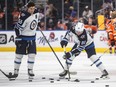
(54, 37)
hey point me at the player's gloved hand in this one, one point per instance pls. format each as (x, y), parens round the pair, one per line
(18, 40)
(64, 42)
(68, 55)
(76, 52)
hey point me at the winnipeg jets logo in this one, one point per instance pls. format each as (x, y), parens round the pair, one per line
(33, 25)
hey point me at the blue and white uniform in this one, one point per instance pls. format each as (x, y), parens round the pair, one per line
(83, 41)
(26, 31)
(25, 41)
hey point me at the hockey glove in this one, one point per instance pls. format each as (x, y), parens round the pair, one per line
(64, 42)
(17, 41)
(76, 52)
(68, 55)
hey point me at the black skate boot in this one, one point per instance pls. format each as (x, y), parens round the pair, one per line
(30, 74)
(63, 74)
(104, 75)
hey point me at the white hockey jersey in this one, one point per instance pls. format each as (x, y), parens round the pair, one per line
(82, 40)
(28, 23)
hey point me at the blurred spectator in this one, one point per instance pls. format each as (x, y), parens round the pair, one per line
(66, 7)
(61, 25)
(107, 4)
(15, 15)
(1, 19)
(107, 7)
(52, 19)
(87, 13)
(91, 26)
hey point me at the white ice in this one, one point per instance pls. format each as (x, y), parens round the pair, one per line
(46, 65)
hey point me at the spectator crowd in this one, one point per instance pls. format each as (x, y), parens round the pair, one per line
(53, 20)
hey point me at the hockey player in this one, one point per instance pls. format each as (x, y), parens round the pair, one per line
(25, 30)
(111, 31)
(83, 41)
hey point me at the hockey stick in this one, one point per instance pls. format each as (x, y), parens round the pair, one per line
(67, 64)
(51, 48)
(72, 73)
(100, 56)
(23, 7)
(4, 73)
(10, 76)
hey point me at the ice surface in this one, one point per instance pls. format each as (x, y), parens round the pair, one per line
(47, 65)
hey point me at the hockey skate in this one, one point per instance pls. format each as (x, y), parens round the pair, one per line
(105, 75)
(63, 74)
(30, 74)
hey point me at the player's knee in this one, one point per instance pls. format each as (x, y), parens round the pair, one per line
(93, 58)
(31, 57)
(18, 58)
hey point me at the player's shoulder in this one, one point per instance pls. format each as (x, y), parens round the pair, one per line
(24, 15)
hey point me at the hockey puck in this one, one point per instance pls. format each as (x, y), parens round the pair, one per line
(43, 78)
(106, 85)
(66, 78)
(51, 78)
(92, 81)
(10, 73)
(58, 79)
(96, 78)
(30, 80)
(51, 81)
(76, 80)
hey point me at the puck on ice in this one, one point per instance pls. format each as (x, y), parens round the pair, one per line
(66, 78)
(51, 81)
(97, 78)
(106, 85)
(10, 74)
(43, 78)
(51, 78)
(58, 79)
(92, 81)
(76, 80)
(30, 80)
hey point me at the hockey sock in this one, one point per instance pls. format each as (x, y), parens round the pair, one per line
(68, 62)
(17, 61)
(31, 59)
(97, 62)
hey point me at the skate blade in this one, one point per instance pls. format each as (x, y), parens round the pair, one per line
(30, 78)
(62, 77)
(105, 77)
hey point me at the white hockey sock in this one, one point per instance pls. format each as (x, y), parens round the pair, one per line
(17, 61)
(68, 63)
(31, 60)
(97, 62)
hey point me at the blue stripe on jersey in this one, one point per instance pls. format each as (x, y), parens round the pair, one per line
(28, 38)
